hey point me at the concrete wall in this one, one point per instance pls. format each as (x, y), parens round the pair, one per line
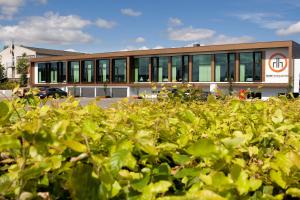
(296, 75)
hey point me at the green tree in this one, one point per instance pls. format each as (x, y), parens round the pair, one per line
(2, 73)
(22, 68)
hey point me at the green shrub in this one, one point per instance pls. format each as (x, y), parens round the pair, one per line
(8, 85)
(219, 149)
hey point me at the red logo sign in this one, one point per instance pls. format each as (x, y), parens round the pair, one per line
(278, 62)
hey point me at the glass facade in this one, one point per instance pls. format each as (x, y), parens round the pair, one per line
(42, 73)
(180, 67)
(250, 67)
(141, 69)
(103, 71)
(201, 68)
(154, 62)
(73, 72)
(162, 68)
(87, 71)
(163, 75)
(231, 65)
(224, 67)
(221, 67)
(119, 70)
(52, 72)
(257, 66)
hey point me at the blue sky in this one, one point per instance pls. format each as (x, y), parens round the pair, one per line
(111, 25)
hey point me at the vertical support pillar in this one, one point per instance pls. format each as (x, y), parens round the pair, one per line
(80, 73)
(110, 70)
(128, 66)
(190, 68)
(67, 72)
(150, 69)
(263, 66)
(170, 69)
(212, 65)
(237, 67)
(95, 75)
(291, 68)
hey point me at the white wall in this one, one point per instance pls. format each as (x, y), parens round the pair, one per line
(6, 59)
(271, 75)
(296, 74)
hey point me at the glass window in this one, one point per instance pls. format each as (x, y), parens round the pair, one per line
(73, 72)
(141, 69)
(201, 68)
(177, 69)
(119, 70)
(231, 66)
(42, 72)
(257, 67)
(163, 75)
(180, 68)
(154, 69)
(61, 72)
(87, 71)
(185, 70)
(103, 71)
(53, 73)
(221, 67)
(246, 67)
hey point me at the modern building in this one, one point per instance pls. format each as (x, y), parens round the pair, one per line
(10, 54)
(265, 67)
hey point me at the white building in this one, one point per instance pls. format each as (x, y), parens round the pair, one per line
(9, 57)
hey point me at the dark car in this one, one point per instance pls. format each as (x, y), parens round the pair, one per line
(52, 92)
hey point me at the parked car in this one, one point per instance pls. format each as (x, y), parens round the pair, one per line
(52, 92)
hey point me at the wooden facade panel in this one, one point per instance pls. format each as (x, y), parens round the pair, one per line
(183, 50)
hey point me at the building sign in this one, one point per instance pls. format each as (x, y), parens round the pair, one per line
(277, 66)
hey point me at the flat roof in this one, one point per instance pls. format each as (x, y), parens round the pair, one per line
(166, 51)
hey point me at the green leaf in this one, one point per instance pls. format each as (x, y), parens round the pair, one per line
(121, 159)
(9, 142)
(276, 176)
(277, 116)
(140, 184)
(76, 146)
(242, 183)
(190, 172)
(152, 189)
(181, 159)
(254, 184)
(115, 189)
(5, 110)
(294, 192)
(206, 195)
(202, 148)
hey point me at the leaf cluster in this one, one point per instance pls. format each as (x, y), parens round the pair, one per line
(219, 149)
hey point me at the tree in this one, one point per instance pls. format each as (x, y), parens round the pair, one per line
(22, 68)
(2, 73)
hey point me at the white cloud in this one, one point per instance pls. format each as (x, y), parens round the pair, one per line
(103, 23)
(224, 39)
(264, 20)
(130, 12)
(174, 21)
(190, 34)
(48, 29)
(42, 1)
(158, 47)
(292, 29)
(71, 50)
(140, 40)
(9, 7)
